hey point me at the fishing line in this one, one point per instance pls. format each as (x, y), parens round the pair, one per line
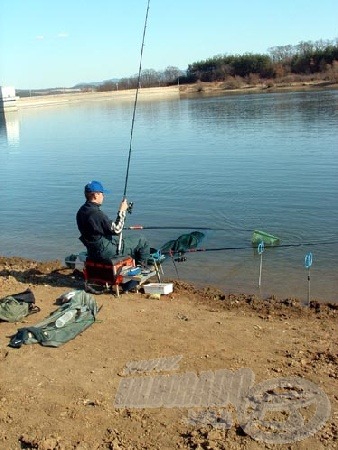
(135, 103)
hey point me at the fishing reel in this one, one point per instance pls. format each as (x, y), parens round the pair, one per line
(180, 258)
(130, 207)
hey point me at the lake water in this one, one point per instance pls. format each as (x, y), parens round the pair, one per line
(232, 163)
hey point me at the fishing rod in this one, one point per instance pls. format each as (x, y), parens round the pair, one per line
(130, 206)
(298, 244)
(180, 253)
(135, 103)
(175, 227)
(141, 227)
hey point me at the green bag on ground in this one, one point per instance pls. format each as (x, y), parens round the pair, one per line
(15, 307)
(81, 309)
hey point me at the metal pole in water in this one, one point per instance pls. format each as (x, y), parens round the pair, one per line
(260, 250)
(308, 264)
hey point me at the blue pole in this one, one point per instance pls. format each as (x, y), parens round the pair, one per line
(308, 264)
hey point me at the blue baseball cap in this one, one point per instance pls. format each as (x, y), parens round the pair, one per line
(95, 186)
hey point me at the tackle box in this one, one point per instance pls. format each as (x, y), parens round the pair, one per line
(158, 288)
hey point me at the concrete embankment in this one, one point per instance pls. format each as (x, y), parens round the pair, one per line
(145, 94)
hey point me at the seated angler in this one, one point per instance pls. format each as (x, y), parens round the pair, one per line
(100, 234)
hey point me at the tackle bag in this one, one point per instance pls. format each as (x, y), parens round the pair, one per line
(15, 307)
(62, 325)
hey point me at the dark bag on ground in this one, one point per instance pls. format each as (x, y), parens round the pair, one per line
(15, 307)
(62, 325)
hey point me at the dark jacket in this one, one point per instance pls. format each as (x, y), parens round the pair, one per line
(98, 231)
(94, 223)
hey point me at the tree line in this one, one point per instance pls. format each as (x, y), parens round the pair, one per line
(306, 60)
(148, 78)
(303, 59)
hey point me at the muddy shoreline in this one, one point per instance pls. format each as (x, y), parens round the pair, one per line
(67, 395)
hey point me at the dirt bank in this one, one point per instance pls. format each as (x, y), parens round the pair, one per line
(222, 88)
(65, 398)
(76, 97)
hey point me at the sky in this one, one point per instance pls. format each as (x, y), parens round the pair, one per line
(60, 43)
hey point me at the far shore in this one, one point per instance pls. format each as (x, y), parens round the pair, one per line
(123, 95)
(168, 92)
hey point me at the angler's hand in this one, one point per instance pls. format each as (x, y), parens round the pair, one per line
(124, 205)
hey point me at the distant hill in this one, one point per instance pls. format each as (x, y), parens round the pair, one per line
(59, 90)
(94, 83)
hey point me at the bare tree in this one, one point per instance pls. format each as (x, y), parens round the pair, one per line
(281, 54)
(171, 74)
(149, 77)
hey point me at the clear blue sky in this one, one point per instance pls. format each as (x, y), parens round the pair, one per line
(59, 43)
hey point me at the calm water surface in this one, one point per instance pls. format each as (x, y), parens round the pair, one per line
(236, 163)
